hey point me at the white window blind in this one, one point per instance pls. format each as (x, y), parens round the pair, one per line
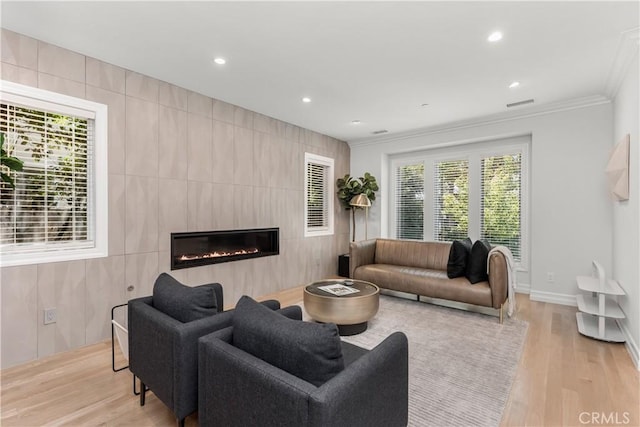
(501, 201)
(57, 210)
(49, 203)
(409, 202)
(317, 206)
(451, 200)
(318, 195)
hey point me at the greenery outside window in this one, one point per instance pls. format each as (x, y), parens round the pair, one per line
(318, 195)
(474, 190)
(58, 209)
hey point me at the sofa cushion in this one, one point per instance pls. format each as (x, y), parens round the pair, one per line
(477, 265)
(458, 256)
(310, 351)
(183, 303)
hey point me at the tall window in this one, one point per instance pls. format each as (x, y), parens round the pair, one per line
(501, 201)
(472, 190)
(451, 200)
(318, 195)
(51, 214)
(410, 202)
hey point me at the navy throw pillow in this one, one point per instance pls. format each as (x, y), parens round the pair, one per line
(183, 303)
(310, 351)
(458, 257)
(477, 265)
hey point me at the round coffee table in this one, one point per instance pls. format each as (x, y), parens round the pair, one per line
(350, 311)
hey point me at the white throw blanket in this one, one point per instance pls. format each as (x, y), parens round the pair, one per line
(511, 276)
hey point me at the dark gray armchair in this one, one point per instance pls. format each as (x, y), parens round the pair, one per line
(240, 389)
(163, 350)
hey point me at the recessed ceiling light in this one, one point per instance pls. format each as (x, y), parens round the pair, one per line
(514, 84)
(356, 122)
(306, 100)
(495, 36)
(220, 61)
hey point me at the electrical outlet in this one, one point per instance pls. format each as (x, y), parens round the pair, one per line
(50, 316)
(550, 277)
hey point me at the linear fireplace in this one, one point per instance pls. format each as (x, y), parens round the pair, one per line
(212, 247)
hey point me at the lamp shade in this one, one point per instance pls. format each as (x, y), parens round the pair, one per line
(360, 201)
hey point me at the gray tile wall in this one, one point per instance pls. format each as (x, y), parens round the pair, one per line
(178, 161)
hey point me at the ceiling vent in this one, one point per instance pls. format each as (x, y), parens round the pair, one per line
(378, 132)
(515, 104)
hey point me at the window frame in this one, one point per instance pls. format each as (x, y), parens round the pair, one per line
(473, 153)
(97, 179)
(329, 195)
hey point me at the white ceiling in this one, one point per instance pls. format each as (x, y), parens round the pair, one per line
(377, 62)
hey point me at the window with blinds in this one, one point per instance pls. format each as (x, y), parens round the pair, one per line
(51, 214)
(49, 202)
(473, 190)
(318, 195)
(409, 203)
(501, 201)
(451, 200)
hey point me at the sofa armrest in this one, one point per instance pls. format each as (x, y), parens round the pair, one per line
(361, 253)
(347, 399)
(498, 278)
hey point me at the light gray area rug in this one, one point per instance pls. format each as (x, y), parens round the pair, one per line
(461, 364)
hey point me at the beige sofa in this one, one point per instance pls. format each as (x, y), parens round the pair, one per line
(420, 268)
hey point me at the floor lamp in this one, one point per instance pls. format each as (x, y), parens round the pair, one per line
(360, 201)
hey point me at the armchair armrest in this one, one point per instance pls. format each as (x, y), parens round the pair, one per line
(498, 278)
(348, 398)
(292, 312)
(361, 253)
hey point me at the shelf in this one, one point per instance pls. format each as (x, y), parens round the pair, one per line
(590, 305)
(592, 284)
(588, 326)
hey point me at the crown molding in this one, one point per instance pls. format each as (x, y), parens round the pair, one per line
(628, 47)
(504, 116)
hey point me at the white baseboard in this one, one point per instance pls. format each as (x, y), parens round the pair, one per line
(553, 298)
(523, 288)
(632, 346)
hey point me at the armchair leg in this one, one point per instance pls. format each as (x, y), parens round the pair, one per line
(143, 390)
(501, 313)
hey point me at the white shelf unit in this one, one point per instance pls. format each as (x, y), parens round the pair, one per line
(598, 312)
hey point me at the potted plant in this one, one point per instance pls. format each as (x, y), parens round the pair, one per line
(350, 187)
(12, 163)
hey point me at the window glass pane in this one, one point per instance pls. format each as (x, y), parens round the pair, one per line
(317, 212)
(451, 200)
(501, 201)
(49, 202)
(410, 202)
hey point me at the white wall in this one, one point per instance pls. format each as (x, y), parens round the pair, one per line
(570, 211)
(626, 215)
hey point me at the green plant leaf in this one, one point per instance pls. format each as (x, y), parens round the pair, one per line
(6, 178)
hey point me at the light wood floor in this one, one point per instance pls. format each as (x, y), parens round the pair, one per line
(561, 376)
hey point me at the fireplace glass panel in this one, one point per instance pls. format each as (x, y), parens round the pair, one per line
(212, 247)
